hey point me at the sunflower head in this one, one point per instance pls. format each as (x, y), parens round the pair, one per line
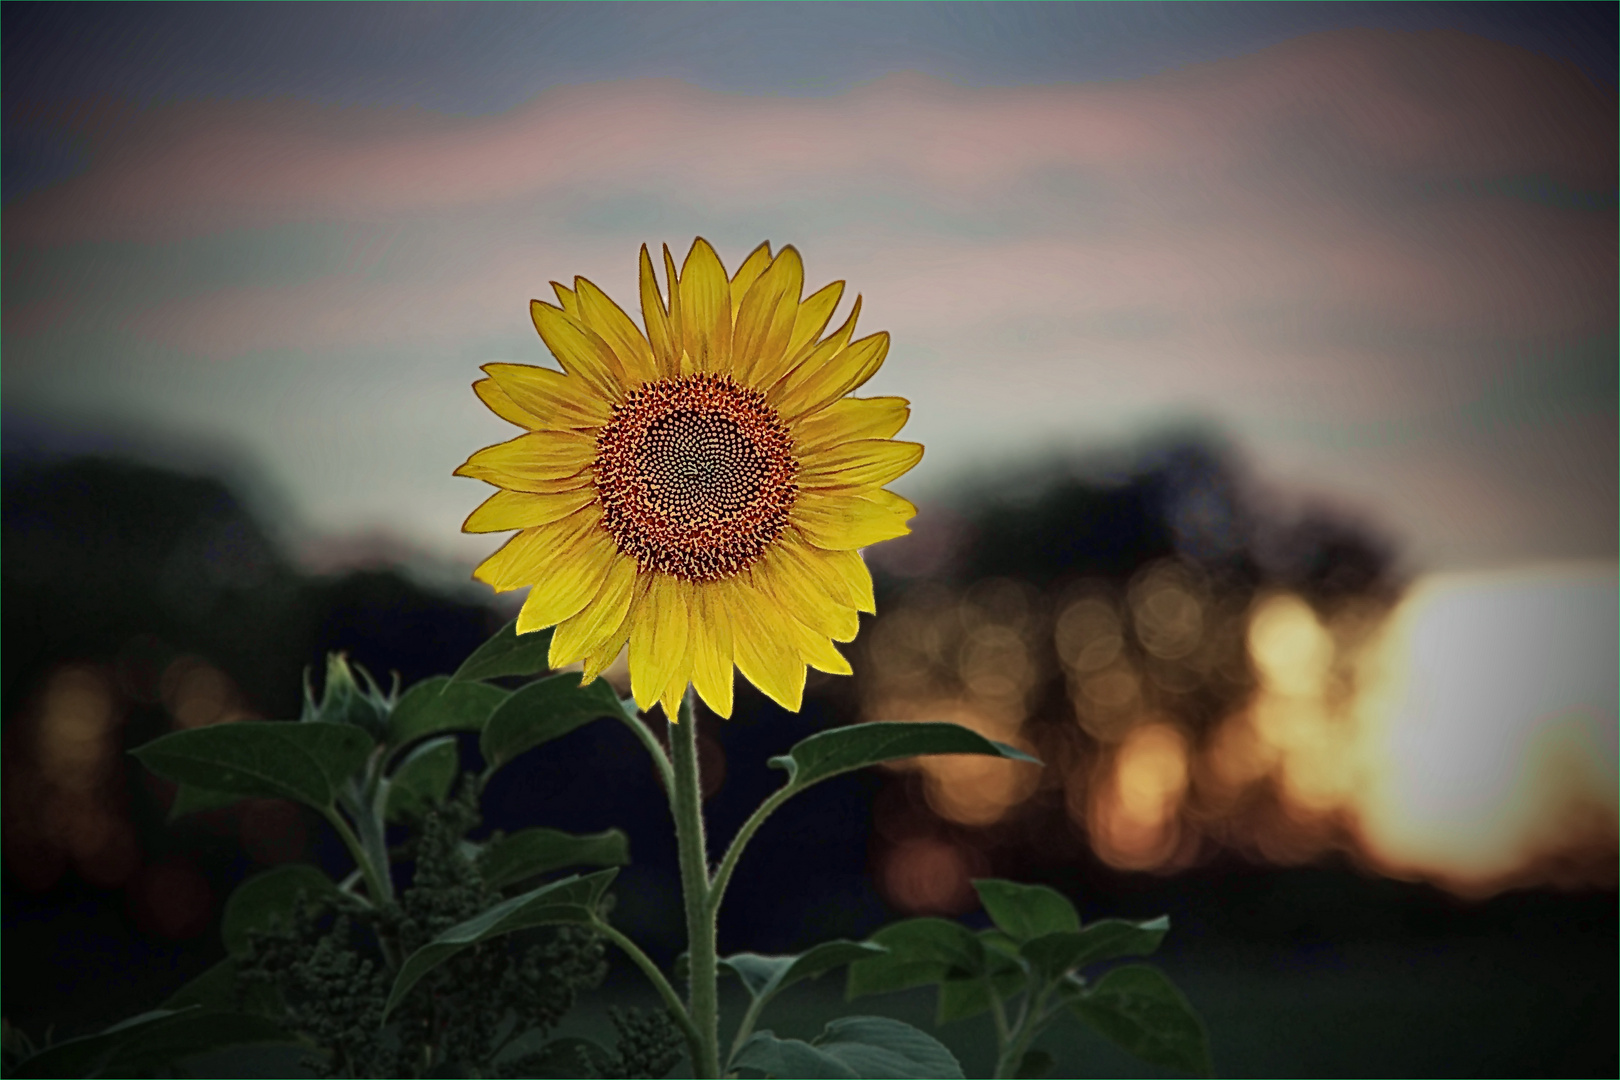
(698, 487)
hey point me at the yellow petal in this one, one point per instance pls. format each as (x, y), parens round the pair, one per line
(655, 316)
(748, 273)
(781, 574)
(552, 398)
(706, 308)
(814, 315)
(677, 328)
(579, 350)
(842, 574)
(904, 508)
(490, 393)
(601, 659)
(591, 629)
(601, 314)
(711, 651)
(570, 582)
(524, 510)
(659, 638)
(529, 556)
(539, 461)
(808, 323)
(864, 463)
(842, 522)
(814, 648)
(843, 374)
(765, 317)
(848, 419)
(797, 374)
(566, 297)
(764, 658)
(671, 698)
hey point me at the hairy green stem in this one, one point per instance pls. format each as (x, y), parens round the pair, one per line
(687, 803)
(377, 883)
(672, 1000)
(728, 865)
(999, 1012)
(638, 727)
(1032, 1017)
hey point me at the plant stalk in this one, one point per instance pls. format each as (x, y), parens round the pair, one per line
(672, 1000)
(700, 917)
(378, 884)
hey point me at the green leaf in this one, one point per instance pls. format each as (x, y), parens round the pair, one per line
(439, 704)
(146, 1043)
(507, 653)
(920, 952)
(542, 711)
(1108, 939)
(1024, 912)
(840, 750)
(962, 998)
(530, 852)
(423, 779)
(574, 899)
(191, 799)
(209, 990)
(1140, 1010)
(852, 1047)
(273, 759)
(260, 900)
(217, 988)
(767, 976)
(1034, 1065)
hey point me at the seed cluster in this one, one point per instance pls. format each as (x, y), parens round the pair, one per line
(695, 475)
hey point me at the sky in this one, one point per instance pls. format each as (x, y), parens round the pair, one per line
(1373, 246)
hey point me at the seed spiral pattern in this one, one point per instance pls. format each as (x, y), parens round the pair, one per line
(695, 475)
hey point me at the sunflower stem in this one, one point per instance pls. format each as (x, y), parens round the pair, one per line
(700, 917)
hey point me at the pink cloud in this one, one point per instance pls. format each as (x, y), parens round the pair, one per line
(1434, 101)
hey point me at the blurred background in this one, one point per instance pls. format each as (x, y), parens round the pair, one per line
(1265, 358)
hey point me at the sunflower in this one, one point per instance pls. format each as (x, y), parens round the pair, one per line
(701, 491)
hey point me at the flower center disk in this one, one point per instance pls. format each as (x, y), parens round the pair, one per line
(695, 475)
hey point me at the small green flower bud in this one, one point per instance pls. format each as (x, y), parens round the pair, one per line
(345, 701)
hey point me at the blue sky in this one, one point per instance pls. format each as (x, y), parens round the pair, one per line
(475, 58)
(1372, 245)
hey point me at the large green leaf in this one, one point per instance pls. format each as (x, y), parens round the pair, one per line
(920, 952)
(1026, 911)
(1141, 1010)
(262, 758)
(217, 988)
(961, 998)
(840, 750)
(262, 899)
(1034, 1065)
(507, 653)
(542, 711)
(766, 976)
(213, 988)
(852, 1047)
(1108, 939)
(151, 1041)
(191, 799)
(572, 900)
(440, 704)
(423, 779)
(530, 852)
